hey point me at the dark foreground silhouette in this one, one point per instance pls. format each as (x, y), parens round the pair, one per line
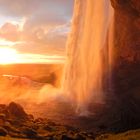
(16, 124)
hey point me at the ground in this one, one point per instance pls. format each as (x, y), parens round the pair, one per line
(16, 124)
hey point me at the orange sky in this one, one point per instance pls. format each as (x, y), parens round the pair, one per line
(36, 29)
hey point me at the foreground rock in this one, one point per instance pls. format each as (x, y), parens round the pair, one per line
(129, 135)
(16, 123)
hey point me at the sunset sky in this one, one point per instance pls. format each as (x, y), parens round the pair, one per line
(35, 29)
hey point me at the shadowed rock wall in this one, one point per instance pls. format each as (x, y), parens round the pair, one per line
(126, 53)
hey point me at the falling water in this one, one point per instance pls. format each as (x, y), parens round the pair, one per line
(83, 80)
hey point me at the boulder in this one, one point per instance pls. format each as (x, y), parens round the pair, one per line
(17, 111)
(3, 132)
(29, 132)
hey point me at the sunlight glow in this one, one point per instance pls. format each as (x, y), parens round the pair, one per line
(8, 55)
(11, 56)
(40, 58)
(6, 43)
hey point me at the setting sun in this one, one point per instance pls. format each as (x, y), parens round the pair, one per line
(8, 56)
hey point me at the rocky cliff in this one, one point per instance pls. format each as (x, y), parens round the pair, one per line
(126, 56)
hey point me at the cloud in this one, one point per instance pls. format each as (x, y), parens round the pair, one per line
(10, 32)
(39, 41)
(45, 27)
(33, 7)
(18, 7)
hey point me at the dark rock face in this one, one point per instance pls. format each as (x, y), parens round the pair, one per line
(127, 31)
(126, 55)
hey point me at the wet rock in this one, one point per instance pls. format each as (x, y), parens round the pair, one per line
(2, 122)
(2, 119)
(35, 127)
(102, 126)
(10, 128)
(49, 138)
(71, 128)
(30, 133)
(80, 137)
(16, 135)
(65, 137)
(3, 132)
(38, 120)
(89, 135)
(2, 107)
(48, 128)
(2, 116)
(51, 123)
(30, 117)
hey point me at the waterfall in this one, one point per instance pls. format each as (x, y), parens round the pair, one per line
(83, 80)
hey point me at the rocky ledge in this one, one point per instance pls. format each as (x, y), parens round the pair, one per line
(16, 123)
